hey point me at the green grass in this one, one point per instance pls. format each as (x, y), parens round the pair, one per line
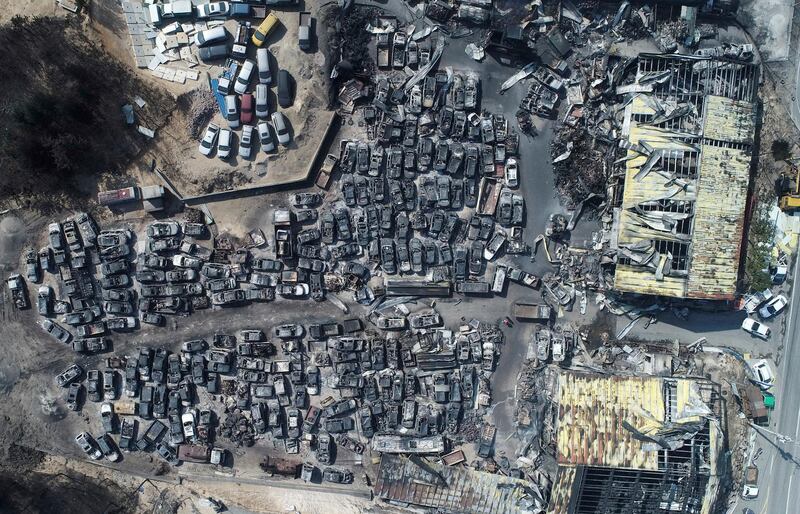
(759, 245)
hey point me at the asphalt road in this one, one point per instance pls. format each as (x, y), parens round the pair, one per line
(779, 463)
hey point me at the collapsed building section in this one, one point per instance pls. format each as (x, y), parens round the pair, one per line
(651, 442)
(688, 135)
(413, 482)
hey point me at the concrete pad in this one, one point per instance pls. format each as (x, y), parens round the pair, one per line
(770, 24)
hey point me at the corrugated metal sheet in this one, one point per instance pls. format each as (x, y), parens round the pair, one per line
(719, 222)
(729, 120)
(561, 492)
(591, 414)
(450, 489)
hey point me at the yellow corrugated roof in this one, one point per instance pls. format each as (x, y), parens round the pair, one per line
(718, 222)
(592, 410)
(729, 120)
(719, 193)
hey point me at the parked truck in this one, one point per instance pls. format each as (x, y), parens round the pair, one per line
(304, 33)
(529, 311)
(326, 171)
(750, 489)
(16, 285)
(282, 221)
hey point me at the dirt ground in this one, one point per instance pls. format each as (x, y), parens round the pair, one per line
(41, 482)
(175, 152)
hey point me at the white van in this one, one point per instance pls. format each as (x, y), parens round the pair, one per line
(177, 9)
(209, 36)
(231, 111)
(262, 101)
(264, 72)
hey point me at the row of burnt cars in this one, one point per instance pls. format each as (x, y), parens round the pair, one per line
(316, 389)
(429, 156)
(100, 283)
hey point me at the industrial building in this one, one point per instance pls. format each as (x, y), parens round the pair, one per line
(688, 138)
(636, 444)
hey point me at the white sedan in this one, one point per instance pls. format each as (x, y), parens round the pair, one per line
(209, 139)
(754, 327)
(773, 307)
(225, 144)
(186, 261)
(763, 373)
(212, 9)
(512, 173)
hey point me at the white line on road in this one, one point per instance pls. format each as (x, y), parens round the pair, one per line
(789, 492)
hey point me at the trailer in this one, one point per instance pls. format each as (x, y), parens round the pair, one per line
(529, 311)
(488, 195)
(473, 287)
(118, 196)
(382, 50)
(194, 453)
(399, 50)
(304, 32)
(499, 282)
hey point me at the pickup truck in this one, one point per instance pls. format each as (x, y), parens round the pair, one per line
(750, 489)
(304, 33)
(17, 288)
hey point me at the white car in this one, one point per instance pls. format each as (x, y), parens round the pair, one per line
(232, 111)
(187, 421)
(773, 307)
(243, 80)
(246, 142)
(763, 373)
(262, 101)
(512, 176)
(88, 445)
(281, 128)
(209, 139)
(225, 144)
(265, 135)
(212, 9)
(755, 328)
(186, 261)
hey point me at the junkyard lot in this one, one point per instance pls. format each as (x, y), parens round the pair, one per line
(240, 216)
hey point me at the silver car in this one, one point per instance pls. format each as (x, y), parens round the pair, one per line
(281, 128)
(246, 142)
(265, 135)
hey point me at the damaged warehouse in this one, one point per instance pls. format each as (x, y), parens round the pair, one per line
(649, 442)
(689, 133)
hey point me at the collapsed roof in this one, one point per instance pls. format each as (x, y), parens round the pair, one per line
(688, 133)
(650, 440)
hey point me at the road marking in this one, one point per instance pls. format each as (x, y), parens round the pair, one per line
(789, 492)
